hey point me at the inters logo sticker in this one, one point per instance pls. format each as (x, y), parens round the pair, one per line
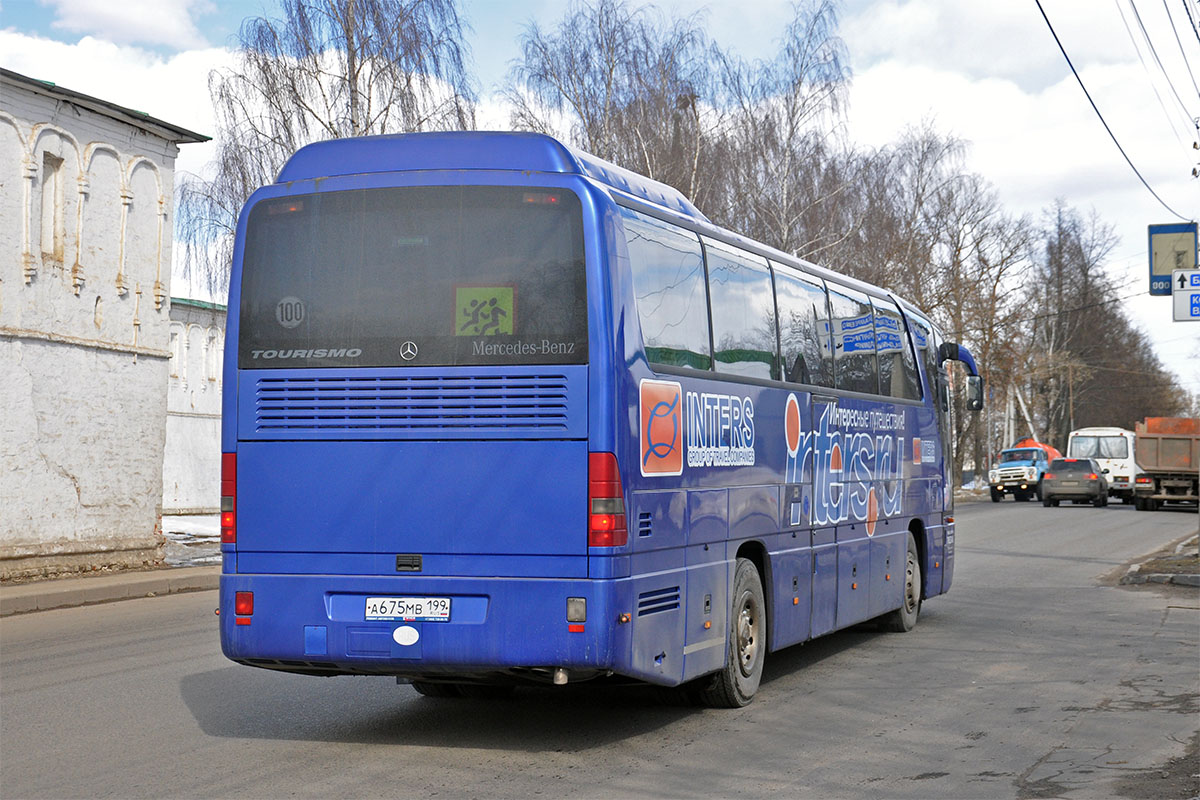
(661, 430)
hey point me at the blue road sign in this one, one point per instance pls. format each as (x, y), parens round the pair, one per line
(1186, 294)
(1171, 247)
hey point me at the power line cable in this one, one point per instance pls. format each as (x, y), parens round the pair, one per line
(1191, 21)
(1158, 61)
(1101, 116)
(1174, 339)
(1182, 52)
(1058, 313)
(1171, 120)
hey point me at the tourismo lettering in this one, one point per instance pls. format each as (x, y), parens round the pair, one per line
(320, 352)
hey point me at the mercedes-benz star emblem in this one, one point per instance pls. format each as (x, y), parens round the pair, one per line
(408, 351)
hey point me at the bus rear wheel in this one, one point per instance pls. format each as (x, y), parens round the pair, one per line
(734, 686)
(904, 618)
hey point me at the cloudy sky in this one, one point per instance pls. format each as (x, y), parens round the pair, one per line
(989, 73)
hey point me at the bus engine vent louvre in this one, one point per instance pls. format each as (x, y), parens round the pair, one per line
(645, 524)
(543, 403)
(658, 601)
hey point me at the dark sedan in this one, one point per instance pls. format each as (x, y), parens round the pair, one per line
(1078, 479)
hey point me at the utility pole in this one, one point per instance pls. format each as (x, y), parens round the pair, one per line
(1028, 417)
(1071, 392)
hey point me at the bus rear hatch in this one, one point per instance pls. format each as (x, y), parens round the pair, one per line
(412, 390)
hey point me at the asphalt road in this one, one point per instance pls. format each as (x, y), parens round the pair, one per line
(1034, 677)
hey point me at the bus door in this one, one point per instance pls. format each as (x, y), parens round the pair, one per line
(942, 550)
(931, 455)
(825, 486)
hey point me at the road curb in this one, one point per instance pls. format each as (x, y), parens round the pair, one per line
(70, 592)
(1134, 576)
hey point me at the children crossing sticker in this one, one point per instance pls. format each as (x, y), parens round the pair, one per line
(485, 310)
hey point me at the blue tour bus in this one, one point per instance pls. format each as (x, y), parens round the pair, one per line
(500, 412)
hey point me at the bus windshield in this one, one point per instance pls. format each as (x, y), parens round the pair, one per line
(1099, 447)
(414, 276)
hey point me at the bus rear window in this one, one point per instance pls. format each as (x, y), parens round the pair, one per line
(1099, 447)
(415, 276)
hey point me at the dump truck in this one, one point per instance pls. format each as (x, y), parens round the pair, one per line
(1168, 458)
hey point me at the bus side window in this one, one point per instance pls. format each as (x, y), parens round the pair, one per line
(803, 329)
(897, 365)
(923, 339)
(854, 341)
(743, 312)
(667, 266)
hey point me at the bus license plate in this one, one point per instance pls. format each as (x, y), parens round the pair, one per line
(420, 609)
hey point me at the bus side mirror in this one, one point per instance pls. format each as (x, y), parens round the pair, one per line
(974, 393)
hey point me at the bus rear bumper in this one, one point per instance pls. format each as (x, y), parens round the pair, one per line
(318, 625)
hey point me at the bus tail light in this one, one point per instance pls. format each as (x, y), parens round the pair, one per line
(243, 603)
(228, 498)
(606, 502)
(243, 607)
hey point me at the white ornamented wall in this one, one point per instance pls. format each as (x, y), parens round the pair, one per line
(192, 461)
(86, 202)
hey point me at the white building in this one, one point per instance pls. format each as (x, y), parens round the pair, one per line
(192, 460)
(86, 202)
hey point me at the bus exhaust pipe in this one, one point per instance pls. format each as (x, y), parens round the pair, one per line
(560, 676)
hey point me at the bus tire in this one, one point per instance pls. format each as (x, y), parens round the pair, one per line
(436, 689)
(904, 618)
(997, 495)
(734, 686)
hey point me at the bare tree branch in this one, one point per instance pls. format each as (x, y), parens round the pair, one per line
(327, 69)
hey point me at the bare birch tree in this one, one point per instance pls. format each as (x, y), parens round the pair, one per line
(327, 69)
(780, 117)
(629, 86)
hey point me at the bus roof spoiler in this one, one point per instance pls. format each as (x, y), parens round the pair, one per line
(473, 150)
